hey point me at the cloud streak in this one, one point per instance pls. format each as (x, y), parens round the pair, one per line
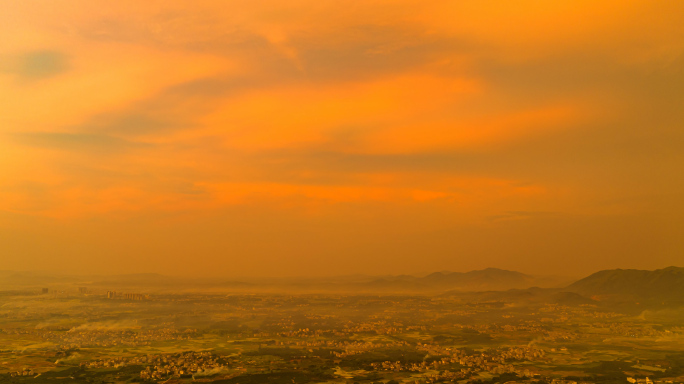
(454, 115)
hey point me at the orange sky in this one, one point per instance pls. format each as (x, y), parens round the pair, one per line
(243, 138)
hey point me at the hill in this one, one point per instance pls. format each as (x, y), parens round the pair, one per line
(665, 284)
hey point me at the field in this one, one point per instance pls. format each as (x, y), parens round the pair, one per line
(325, 338)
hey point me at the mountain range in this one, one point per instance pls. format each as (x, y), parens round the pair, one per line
(662, 285)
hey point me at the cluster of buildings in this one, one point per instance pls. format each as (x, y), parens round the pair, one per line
(380, 327)
(648, 381)
(357, 347)
(183, 364)
(110, 294)
(441, 377)
(165, 366)
(348, 347)
(25, 372)
(105, 363)
(111, 337)
(81, 290)
(127, 296)
(494, 362)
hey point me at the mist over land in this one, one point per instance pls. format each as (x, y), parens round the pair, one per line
(666, 285)
(491, 325)
(487, 279)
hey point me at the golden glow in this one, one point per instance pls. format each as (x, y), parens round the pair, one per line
(376, 128)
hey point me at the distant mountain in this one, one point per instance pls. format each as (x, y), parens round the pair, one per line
(26, 279)
(658, 285)
(490, 279)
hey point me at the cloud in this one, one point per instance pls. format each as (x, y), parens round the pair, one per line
(76, 141)
(358, 52)
(519, 215)
(38, 65)
(434, 115)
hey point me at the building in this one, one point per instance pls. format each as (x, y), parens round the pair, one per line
(82, 290)
(127, 296)
(134, 296)
(46, 291)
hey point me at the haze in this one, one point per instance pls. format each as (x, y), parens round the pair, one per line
(309, 138)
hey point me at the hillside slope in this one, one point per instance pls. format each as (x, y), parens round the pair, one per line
(661, 284)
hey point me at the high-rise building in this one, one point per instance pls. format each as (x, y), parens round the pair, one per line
(134, 296)
(45, 291)
(82, 290)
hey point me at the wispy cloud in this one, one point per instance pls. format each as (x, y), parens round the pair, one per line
(36, 65)
(449, 114)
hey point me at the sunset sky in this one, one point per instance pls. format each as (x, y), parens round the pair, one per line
(293, 138)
